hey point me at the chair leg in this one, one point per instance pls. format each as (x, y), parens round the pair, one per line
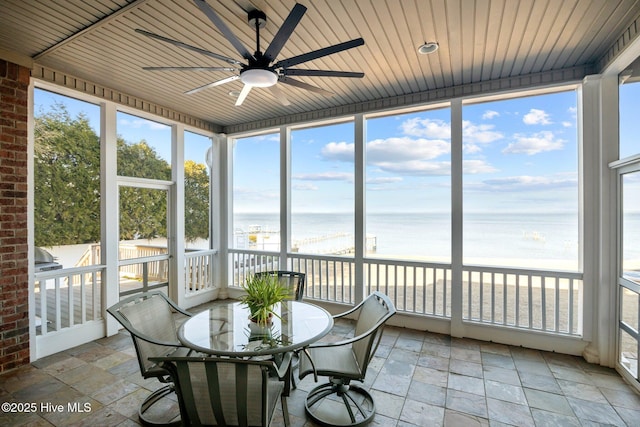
(150, 401)
(285, 410)
(358, 405)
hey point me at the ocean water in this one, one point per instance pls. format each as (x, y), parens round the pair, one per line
(537, 240)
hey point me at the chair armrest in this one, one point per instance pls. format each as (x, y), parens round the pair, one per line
(346, 313)
(348, 340)
(283, 369)
(136, 333)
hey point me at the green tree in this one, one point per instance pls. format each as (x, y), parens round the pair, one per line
(196, 194)
(67, 179)
(67, 185)
(143, 211)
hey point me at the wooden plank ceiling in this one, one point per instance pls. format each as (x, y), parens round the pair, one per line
(480, 40)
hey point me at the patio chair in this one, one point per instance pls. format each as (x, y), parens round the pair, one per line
(148, 317)
(344, 362)
(292, 279)
(228, 392)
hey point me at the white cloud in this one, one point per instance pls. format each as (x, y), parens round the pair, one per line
(405, 148)
(525, 182)
(477, 166)
(534, 144)
(305, 187)
(384, 180)
(140, 123)
(325, 176)
(567, 124)
(490, 114)
(471, 148)
(388, 150)
(481, 134)
(536, 117)
(430, 128)
(416, 168)
(339, 151)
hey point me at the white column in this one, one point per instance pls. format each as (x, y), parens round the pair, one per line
(457, 327)
(176, 216)
(360, 140)
(599, 131)
(222, 211)
(285, 195)
(109, 212)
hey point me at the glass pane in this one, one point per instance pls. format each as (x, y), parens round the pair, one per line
(144, 148)
(141, 275)
(521, 182)
(408, 190)
(629, 123)
(197, 203)
(322, 190)
(66, 182)
(631, 226)
(256, 193)
(629, 353)
(629, 308)
(143, 222)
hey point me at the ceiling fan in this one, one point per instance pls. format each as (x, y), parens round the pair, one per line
(260, 70)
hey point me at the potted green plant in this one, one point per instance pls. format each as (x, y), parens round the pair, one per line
(263, 292)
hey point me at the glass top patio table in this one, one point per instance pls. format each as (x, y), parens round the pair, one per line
(226, 329)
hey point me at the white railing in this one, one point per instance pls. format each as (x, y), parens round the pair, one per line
(59, 305)
(198, 271)
(244, 263)
(414, 287)
(547, 301)
(327, 278)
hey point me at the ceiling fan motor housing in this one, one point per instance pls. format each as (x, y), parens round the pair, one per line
(258, 77)
(259, 17)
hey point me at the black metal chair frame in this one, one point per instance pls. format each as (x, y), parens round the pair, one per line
(299, 291)
(156, 371)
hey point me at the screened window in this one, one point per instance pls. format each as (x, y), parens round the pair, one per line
(629, 123)
(322, 189)
(144, 148)
(256, 193)
(521, 182)
(67, 179)
(197, 194)
(408, 191)
(629, 294)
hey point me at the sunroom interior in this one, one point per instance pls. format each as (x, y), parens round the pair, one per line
(490, 188)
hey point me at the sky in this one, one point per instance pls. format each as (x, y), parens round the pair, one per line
(520, 155)
(132, 128)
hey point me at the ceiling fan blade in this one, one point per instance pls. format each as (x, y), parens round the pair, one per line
(322, 73)
(319, 53)
(285, 31)
(189, 69)
(243, 94)
(302, 85)
(216, 83)
(186, 46)
(279, 95)
(226, 32)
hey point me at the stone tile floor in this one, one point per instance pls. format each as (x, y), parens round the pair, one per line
(416, 378)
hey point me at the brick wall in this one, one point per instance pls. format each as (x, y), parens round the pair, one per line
(14, 283)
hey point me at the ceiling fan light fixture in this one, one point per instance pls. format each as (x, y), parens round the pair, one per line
(428, 47)
(259, 78)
